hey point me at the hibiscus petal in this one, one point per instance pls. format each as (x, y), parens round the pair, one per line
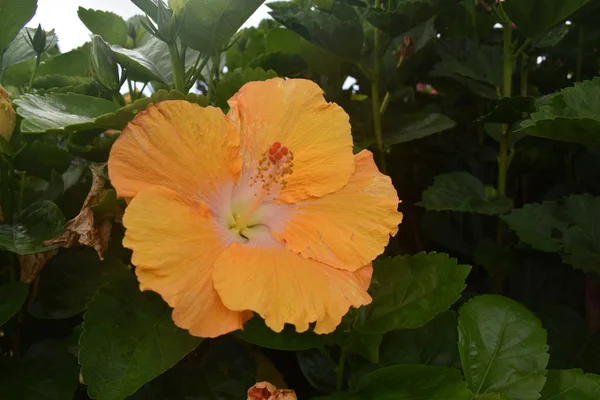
(177, 145)
(283, 287)
(346, 229)
(175, 244)
(295, 114)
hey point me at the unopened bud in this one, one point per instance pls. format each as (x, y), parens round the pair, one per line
(38, 41)
(104, 64)
(8, 117)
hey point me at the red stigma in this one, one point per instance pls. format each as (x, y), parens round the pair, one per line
(284, 151)
(277, 156)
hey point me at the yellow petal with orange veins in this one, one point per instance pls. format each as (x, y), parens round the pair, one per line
(283, 287)
(346, 229)
(294, 114)
(176, 145)
(175, 245)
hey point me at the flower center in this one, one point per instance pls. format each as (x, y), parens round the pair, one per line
(266, 181)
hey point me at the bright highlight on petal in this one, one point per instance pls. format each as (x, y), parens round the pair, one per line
(175, 245)
(346, 229)
(265, 210)
(283, 287)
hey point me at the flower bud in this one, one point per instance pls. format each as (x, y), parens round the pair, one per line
(8, 117)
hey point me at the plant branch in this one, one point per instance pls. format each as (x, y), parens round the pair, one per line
(388, 95)
(38, 58)
(178, 70)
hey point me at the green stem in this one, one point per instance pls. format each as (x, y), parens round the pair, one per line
(580, 46)
(196, 71)
(388, 95)
(339, 371)
(131, 92)
(524, 74)
(213, 78)
(178, 70)
(33, 73)
(375, 102)
(21, 190)
(503, 156)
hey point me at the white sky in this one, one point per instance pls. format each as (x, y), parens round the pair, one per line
(61, 15)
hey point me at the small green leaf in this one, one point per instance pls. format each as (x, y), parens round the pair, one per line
(409, 291)
(539, 225)
(417, 126)
(460, 191)
(502, 347)
(39, 159)
(231, 82)
(128, 339)
(571, 385)
(533, 17)
(337, 30)
(256, 332)
(582, 239)
(47, 371)
(12, 297)
(39, 222)
(489, 396)
(110, 26)
(407, 15)
(14, 14)
(70, 279)
(57, 112)
(569, 116)
(410, 382)
(207, 25)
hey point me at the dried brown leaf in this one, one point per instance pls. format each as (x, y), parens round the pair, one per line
(32, 264)
(267, 391)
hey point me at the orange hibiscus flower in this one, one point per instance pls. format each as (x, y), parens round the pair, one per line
(264, 210)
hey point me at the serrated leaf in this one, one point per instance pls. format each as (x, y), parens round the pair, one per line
(539, 225)
(128, 339)
(409, 382)
(58, 112)
(207, 25)
(569, 116)
(460, 191)
(503, 348)
(20, 50)
(37, 223)
(12, 297)
(70, 279)
(547, 13)
(571, 385)
(47, 371)
(337, 30)
(256, 332)
(408, 291)
(110, 26)
(14, 14)
(417, 126)
(395, 21)
(39, 159)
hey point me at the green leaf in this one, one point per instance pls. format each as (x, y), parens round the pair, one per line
(408, 291)
(12, 297)
(151, 61)
(546, 13)
(104, 65)
(478, 67)
(128, 339)
(567, 334)
(70, 279)
(73, 63)
(510, 109)
(405, 16)
(582, 238)
(39, 159)
(365, 345)
(410, 382)
(569, 116)
(460, 191)
(539, 225)
(14, 14)
(503, 348)
(337, 30)
(489, 396)
(57, 112)
(110, 26)
(417, 126)
(552, 37)
(256, 332)
(231, 82)
(491, 256)
(571, 385)
(37, 223)
(207, 25)
(47, 371)
(317, 370)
